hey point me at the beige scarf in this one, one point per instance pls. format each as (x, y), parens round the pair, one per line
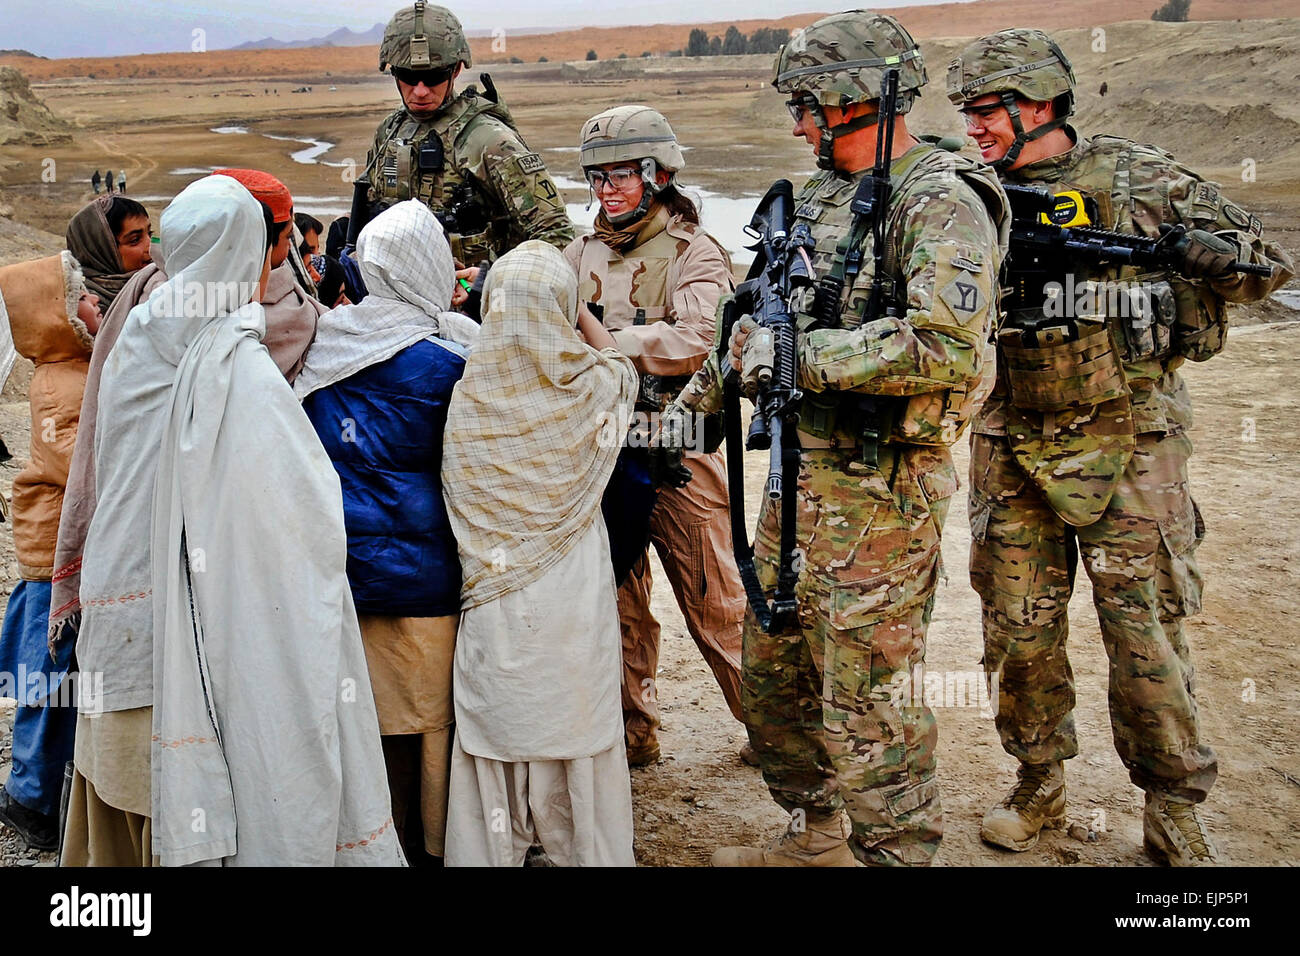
(533, 429)
(647, 227)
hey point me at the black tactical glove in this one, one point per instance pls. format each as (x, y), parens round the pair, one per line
(669, 448)
(1204, 255)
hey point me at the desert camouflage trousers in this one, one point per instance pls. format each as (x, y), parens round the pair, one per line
(1140, 558)
(821, 717)
(690, 529)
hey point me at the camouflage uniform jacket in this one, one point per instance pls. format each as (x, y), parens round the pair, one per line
(947, 235)
(657, 298)
(1138, 188)
(491, 183)
(1076, 457)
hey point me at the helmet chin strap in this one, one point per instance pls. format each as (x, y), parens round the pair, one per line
(649, 174)
(826, 146)
(1022, 137)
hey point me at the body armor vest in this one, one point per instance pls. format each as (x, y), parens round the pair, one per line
(424, 160)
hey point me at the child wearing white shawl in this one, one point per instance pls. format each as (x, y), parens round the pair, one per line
(533, 431)
(265, 743)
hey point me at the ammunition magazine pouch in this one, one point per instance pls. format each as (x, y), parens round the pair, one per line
(1200, 328)
(1052, 371)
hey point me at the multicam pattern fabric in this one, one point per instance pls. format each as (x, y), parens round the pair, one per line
(1137, 188)
(445, 40)
(1107, 484)
(1026, 62)
(842, 59)
(1140, 557)
(518, 198)
(819, 698)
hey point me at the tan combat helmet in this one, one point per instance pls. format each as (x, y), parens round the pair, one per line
(1015, 64)
(423, 37)
(842, 59)
(632, 134)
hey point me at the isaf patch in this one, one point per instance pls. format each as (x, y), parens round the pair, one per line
(531, 163)
(1207, 193)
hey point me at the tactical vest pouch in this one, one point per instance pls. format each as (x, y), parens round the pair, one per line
(1141, 314)
(940, 418)
(1201, 321)
(471, 249)
(1077, 373)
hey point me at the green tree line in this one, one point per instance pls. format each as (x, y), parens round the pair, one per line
(734, 43)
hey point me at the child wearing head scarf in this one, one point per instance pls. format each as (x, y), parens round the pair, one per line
(53, 317)
(236, 651)
(290, 323)
(292, 311)
(533, 433)
(376, 383)
(110, 239)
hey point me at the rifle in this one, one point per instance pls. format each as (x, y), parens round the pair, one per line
(781, 266)
(1050, 233)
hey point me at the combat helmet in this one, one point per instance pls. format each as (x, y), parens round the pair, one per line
(1015, 63)
(842, 59)
(423, 37)
(632, 134)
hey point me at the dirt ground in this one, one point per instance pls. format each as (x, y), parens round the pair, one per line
(700, 795)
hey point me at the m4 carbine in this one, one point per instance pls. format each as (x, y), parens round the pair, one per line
(1053, 233)
(781, 266)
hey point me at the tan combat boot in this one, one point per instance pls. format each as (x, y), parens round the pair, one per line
(1173, 833)
(819, 843)
(1036, 801)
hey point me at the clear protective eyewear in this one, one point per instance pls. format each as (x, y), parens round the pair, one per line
(621, 178)
(800, 102)
(980, 115)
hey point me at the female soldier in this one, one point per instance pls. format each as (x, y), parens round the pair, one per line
(653, 277)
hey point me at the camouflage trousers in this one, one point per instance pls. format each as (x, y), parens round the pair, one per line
(690, 529)
(1140, 558)
(817, 697)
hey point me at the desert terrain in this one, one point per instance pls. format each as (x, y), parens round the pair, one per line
(1223, 96)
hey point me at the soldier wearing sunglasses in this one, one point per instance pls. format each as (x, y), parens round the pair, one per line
(458, 153)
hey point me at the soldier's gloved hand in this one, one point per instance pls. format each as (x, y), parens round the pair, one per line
(669, 448)
(757, 360)
(1205, 255)
(739, 334)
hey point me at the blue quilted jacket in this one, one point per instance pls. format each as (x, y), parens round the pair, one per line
(383, 430)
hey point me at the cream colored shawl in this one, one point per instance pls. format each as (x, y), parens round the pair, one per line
(533, 429)
(266, 745)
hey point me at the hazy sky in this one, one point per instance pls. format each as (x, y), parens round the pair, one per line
(59, 28)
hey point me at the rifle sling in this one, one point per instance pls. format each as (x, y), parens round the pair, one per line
(772, 617)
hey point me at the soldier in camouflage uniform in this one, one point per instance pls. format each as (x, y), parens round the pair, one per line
(458, 153)
(1090, 461)
(830, 733)
(655, 278)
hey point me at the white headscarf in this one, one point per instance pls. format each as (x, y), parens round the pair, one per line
(264, 726)
(205, 253)
(409, 274)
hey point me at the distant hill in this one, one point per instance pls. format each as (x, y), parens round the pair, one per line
(924, 22)
(26, 53)
(340, 37)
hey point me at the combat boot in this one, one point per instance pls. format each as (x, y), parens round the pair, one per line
(821, 842)
(1036, 801)
(1174, 834)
